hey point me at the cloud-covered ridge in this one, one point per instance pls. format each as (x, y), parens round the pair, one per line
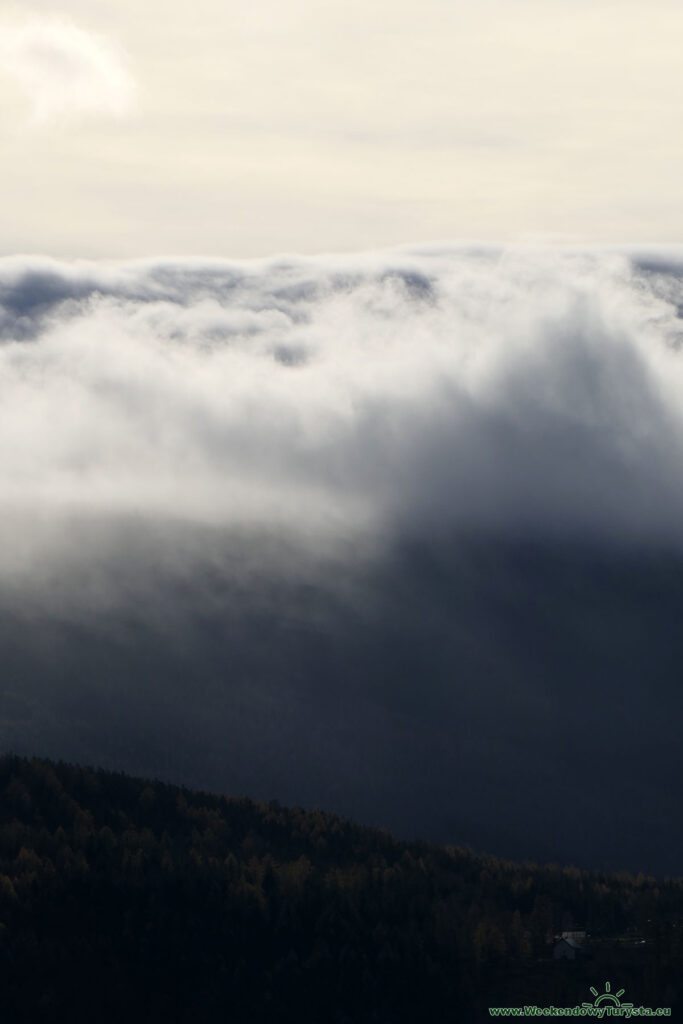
(399, 392)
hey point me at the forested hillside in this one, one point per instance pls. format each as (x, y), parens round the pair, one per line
(122, 898)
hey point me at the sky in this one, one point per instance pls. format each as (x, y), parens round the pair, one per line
(245, 129)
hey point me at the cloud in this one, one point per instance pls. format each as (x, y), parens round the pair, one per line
(66, 70)
(400, 392)
(398, 534)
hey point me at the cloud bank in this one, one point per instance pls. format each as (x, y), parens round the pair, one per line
(65, 70)
(398, 534)
(401, 392)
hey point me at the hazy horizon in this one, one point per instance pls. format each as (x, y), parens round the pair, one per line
(248, 129)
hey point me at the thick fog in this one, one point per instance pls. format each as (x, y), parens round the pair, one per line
(399, 534)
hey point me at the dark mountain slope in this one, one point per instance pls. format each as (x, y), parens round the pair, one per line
(123, 898)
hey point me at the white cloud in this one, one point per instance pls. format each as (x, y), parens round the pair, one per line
(397, 392)
(65, 70)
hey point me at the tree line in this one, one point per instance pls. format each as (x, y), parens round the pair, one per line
(123, 897)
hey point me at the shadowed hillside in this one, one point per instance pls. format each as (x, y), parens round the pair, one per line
(124, 897)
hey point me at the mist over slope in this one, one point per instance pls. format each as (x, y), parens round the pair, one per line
(400, 534)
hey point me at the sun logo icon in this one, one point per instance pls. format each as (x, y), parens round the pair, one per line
(608, 997)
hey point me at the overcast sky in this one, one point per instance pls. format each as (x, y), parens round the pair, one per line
(257, 126)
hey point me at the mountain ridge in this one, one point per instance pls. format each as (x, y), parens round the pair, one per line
(117, 892)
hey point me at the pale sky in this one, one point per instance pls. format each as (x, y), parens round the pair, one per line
(250, 127)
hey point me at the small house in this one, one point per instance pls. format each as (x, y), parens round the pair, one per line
(577, 935)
